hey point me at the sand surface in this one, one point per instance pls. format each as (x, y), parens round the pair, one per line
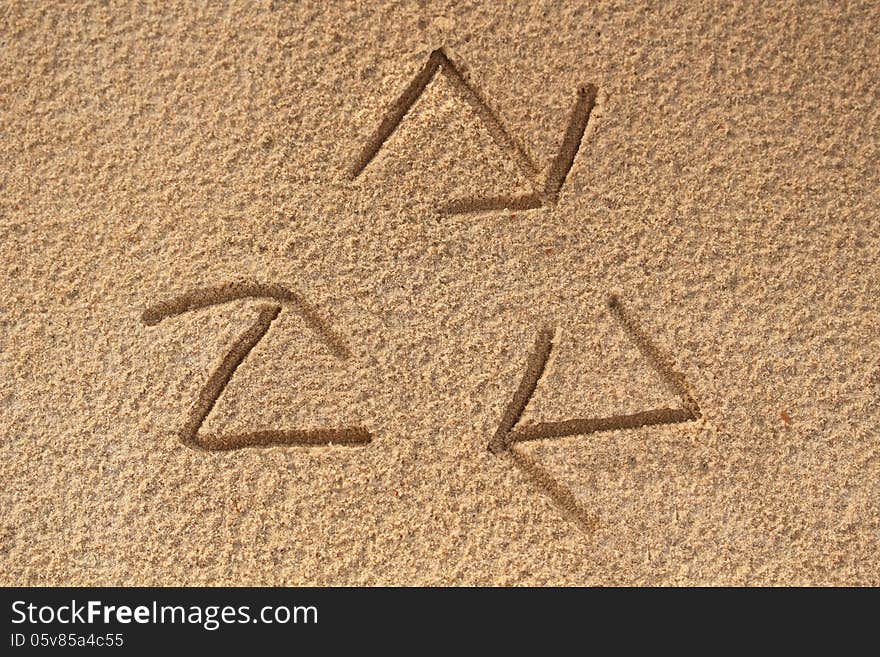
(726, 189)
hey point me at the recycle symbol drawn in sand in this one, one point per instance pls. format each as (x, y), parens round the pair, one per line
(276, 298)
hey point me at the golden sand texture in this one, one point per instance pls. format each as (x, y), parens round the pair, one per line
(725, 189)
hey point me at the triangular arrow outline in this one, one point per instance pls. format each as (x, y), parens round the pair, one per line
(244, 344)
(510, 433)
(545, 194)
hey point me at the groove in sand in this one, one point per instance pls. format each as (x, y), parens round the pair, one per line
(556, 173)
(508, 434)
(212, 296)
(221, 376)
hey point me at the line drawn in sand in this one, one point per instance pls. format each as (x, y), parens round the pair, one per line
(510, 433)
(244, 344)
(545, 193)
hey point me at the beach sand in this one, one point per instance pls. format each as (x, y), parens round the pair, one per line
(725, 191)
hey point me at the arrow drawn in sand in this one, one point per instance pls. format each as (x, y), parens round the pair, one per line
(220, 377)
(545, 193)
(510, 433)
